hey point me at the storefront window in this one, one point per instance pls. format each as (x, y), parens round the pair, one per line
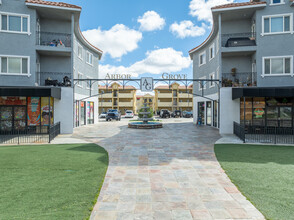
(248, 111)
(201, 108)
(259, 111)
(215, 116)
(90, 112)
(83, 115)
(47, 111)
(208, 113)
(77, 114)
(34, 111)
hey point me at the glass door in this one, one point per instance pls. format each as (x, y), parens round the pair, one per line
(6, 119)
(208, 113)
(19, 117)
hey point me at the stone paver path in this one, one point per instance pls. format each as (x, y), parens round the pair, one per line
(168, 173)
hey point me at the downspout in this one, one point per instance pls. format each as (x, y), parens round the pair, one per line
(72, 67)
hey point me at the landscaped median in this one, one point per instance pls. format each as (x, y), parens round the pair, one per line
(264, 174)
(50, 181)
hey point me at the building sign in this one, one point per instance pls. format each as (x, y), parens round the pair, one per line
(46, 111)
(118, 76)
(174, 76)
(146, 84)
(259, 112)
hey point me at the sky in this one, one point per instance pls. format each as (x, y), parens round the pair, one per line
(146, 37)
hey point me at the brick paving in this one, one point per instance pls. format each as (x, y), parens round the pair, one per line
(168, 173)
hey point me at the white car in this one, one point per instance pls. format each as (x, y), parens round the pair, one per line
(129, 114)
(103, 115)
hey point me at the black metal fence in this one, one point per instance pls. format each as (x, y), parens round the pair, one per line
(51, 39)
(37, 134)
(261, 134)
(244, 79)
(239, 39)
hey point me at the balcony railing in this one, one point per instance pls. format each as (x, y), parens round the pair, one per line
(239, 79)
(51, 39)
(54, 79)
(239, 39)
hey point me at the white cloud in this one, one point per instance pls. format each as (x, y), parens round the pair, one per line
(202, 8)
(117, 41)
(156, 62)
(187, 29)
(151, 21)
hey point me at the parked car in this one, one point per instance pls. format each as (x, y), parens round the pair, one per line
(103, 115)
(164, 113)
(129, 114)
(113, 116)
(115, 111)
(187, 114)
(176, 114)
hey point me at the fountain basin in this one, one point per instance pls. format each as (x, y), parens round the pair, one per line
(141, 125)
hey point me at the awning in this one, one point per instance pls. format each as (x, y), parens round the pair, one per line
(262, 92)
(54, 92)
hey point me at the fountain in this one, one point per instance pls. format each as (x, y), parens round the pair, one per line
(147, 123)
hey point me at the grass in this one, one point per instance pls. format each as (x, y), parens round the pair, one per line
(264, 174)
(50, 181)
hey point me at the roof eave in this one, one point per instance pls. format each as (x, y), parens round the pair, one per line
(238, 8)
(53, 7)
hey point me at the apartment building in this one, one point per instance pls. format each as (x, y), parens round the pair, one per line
(250, 49)
(148, 99)
(42, 51)
(175, 97)
(117, 97)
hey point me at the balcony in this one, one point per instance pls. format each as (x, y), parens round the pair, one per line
(54, 79)
(239, 79)
(164, 104)
(239, 39)
(106, 96)
(126, 95)
(164, 95)
(53, 40)
(185, 104)
(105, 104)
(126, 104)
(185, 95)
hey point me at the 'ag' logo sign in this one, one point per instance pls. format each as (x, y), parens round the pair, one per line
(146, 84)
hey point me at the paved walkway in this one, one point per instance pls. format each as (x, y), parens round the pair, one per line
(168, 173)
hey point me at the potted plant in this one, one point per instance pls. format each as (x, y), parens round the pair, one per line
(233, 71)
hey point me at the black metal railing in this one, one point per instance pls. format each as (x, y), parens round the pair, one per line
(262, 134)
(239, 131)
(54, 131)
(239, 39)
(245, 79)
(51, 39)
(55, 79)
(34, 134)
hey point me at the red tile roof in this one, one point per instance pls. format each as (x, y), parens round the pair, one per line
(120, 87)
(167, 87)
(57, 4)
(232, 5)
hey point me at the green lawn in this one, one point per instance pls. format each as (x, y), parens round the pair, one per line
(50, 181)
(264, 174)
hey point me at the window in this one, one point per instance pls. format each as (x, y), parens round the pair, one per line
(80, 76)
(80, 52)
(277, 24)
(211, 52)
(12, 65)
(202, 58)
(202, 84)
(15, 23)
(277, 65)
(211, 77)
(89, 58)
(277, 2)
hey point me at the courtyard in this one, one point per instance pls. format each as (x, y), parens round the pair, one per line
(168, 173)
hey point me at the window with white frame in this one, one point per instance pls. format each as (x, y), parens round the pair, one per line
(211, 77)
(277, 2)
(89, 59)
(276, 24)
(14, 23)
(80, 76)
(80, 51)
(211, 52)
(202, 84)
(277, 66)
(14, 65)
(202, 58)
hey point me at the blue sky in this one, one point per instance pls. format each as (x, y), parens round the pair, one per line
(146, 37)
